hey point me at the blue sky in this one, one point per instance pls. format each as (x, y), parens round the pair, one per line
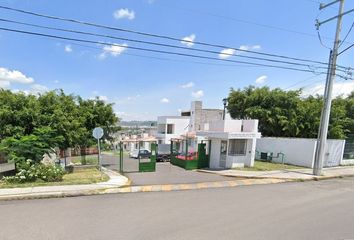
(143, 87)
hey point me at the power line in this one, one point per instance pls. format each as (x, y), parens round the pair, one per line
(155, 35)
(346, 49)
(160, 58)
(157, 44)
(350, 29)
(238, 20)
(304, 80)
(154, 50)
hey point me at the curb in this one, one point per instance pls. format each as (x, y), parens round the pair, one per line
(160, 188)
(312, 178)
(144, 188)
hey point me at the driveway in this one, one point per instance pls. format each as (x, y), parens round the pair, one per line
(167, 173)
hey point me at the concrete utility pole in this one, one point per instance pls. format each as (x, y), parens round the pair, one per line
(323, 130)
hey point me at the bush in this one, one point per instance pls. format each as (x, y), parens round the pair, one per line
(30, 172)
(50, 173)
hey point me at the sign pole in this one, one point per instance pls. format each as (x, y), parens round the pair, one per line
(99, 154)
(98, 134)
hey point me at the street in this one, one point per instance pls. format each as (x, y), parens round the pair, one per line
(303, 210)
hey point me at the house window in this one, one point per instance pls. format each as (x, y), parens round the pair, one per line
(237, 147)
(169, 128)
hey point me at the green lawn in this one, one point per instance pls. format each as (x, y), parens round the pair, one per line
(90, 160)
(79, 176)
(268, 166)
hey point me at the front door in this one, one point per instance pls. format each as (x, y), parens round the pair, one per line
(223, 152)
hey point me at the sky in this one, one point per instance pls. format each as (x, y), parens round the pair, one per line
(144, 85)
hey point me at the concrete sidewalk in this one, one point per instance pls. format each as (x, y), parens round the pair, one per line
(288, 174)
(116, 181)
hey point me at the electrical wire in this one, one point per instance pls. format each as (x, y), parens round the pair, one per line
(158, 44)
(154, 35)
(346, 36)
(160, 58)
(152, 50)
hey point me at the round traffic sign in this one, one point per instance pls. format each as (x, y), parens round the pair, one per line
(97, 133)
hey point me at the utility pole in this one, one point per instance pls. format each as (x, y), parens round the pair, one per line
(323, 130)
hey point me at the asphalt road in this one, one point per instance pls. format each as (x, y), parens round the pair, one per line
(311, 210)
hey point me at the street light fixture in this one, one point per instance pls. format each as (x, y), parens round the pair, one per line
(224, 101)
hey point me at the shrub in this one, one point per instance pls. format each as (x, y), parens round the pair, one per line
(50, 173)
(30, 172)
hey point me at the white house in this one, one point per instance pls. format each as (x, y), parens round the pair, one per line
(169, 127)
(191, 121)
(233, 142)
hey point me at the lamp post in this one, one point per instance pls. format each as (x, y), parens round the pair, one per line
(224, 101)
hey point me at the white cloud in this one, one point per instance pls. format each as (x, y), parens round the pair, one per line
(38, 88)
(103, 98)
(339, 88)
(127, 100)
(165, 100)
(198, 94)
(188, 85)
(100, 97)
(226, 53)
(188, 40)
(4, 84)
(250, 47)
(256, 47)
(68, 48)
(261, 79)
(14, 76)
(124, 13)
(114, 50)
(56, 81)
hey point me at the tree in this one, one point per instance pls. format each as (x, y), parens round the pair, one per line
(70, 118)
(18, 114)
(61, 113)
(33, 146)
(287, 114)
(96, 113)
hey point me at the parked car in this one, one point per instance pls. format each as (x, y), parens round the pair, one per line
(144, 153)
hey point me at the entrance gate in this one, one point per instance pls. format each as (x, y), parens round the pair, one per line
(137, 156)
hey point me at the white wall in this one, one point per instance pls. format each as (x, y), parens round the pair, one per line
(234, 126)
(334, 153)
(250, 125)
(215, 153)
(301, 151)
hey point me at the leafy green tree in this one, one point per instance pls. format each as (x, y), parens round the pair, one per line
(286, 114)
(33, 146)
(18, 114)
(61, 113)
(95, 113)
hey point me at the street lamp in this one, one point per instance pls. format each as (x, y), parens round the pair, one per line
(224, 101)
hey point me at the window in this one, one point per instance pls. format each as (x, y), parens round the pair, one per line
(237, 147)
(169, 128)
